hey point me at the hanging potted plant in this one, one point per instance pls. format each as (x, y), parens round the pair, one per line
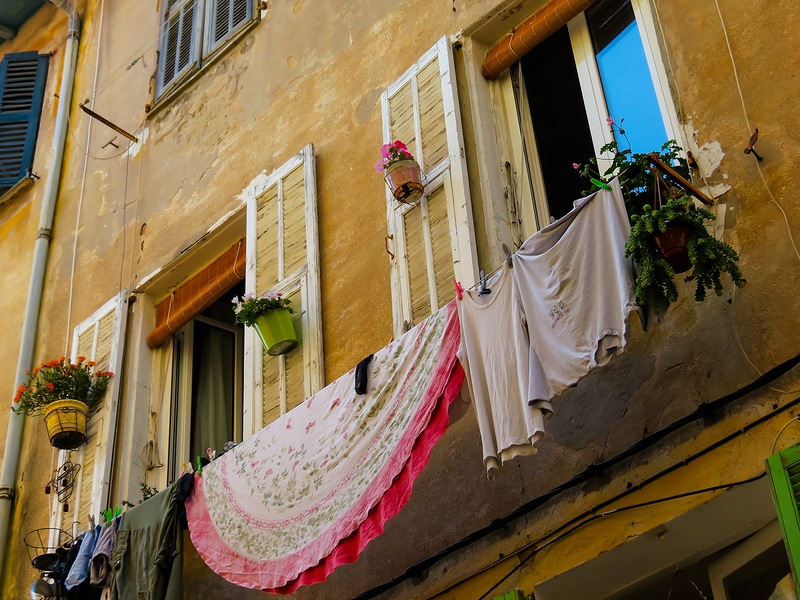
(66, 395)
(666, 238)
(401, 172)
(271, 316)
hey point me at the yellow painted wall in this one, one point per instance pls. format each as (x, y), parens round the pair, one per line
(314, 72)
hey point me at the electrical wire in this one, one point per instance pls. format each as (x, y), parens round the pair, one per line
(608, 513)
(703, 411)
(782, 429)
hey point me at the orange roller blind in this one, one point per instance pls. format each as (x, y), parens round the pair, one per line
(197, 293)
(537, 28)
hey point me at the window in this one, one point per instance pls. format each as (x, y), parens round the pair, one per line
(99, 338)
(433, 239)
(283, 257)
(601, 65)
(22, 82)
(206, 390)
(191, 30)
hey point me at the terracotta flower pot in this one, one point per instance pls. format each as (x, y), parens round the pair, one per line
(404, 179)
(672, 246)
(276, 330)
(66, 423)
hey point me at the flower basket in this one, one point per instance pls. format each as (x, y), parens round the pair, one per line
(276, 330)
(66, 423)
(404, 179)
(672, 245)
(43, 553)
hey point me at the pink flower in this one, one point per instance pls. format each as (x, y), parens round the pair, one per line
(379, 166)
(400, 145)
(609, 121)
(576, 166)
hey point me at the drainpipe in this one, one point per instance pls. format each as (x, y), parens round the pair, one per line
(8, 475)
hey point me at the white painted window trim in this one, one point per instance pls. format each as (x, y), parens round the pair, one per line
(595, 106)
(744, 552)
(450, 172)
(307, 279)
(103, 458)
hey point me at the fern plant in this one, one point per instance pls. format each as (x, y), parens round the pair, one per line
(641, 188)
(709, 257)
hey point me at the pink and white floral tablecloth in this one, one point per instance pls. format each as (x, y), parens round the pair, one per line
(309, 491)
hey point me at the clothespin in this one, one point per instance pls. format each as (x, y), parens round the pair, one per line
(212, 454)
(187, 468)
(199, 467)
(459, 290)
(482, 289)
(508, 256)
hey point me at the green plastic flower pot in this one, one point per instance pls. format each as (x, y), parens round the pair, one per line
(276, 331)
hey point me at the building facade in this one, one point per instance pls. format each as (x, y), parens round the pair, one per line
(194, 150)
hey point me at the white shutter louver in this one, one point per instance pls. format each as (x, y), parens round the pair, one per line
(434, 239)
(283, 258)
(226, 17)
(98, 339)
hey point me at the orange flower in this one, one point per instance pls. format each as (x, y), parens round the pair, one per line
(50, 385)
(81, 359)
(90, 363)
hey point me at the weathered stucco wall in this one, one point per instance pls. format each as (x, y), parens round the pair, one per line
(314, 73)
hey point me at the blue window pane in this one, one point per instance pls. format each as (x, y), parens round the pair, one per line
(629, 92)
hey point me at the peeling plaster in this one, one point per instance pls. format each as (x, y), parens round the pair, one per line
(709, 156)
(134, 148)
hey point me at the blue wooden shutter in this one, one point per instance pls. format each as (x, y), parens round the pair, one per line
(226, 17)
(22, 81)
(784, 473)
(178, 41)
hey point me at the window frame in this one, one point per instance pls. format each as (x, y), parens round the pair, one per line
(180, 412)
(203, 49)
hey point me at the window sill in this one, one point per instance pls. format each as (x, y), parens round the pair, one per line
(17, 189)
(178, 88)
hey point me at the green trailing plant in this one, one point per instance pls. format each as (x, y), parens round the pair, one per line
(642, 188)
(709, 257)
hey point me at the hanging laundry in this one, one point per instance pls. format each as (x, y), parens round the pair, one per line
(79, 571)
(309, 491)
(576, 288)
(148, 555)
(100, 566)
(502, 373)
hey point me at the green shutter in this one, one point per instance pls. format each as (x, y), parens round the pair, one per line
(513, 595)
(784, 472)
(22, 81)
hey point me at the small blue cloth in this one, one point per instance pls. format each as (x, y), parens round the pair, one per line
(79, 571)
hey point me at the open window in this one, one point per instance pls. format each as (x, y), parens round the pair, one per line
(603, 67)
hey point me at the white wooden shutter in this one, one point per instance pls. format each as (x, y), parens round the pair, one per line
(434, 239)
(178, 38)
(100, 339)
(283, 256)
(225, 17)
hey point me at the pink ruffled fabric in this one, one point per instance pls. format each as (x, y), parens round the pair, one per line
(252, 535)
